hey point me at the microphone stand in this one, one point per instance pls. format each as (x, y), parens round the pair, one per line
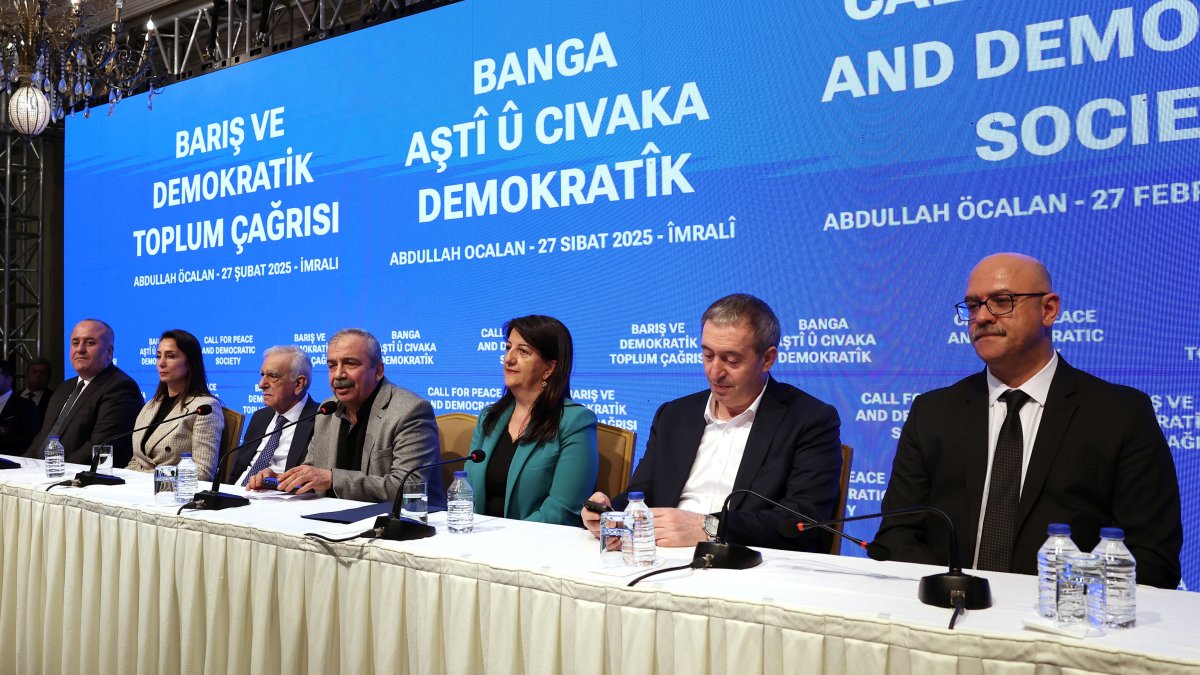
(395, 527)
(93, 477)
(721, 555)
(948, 589)
(718, 554)
(215, 500)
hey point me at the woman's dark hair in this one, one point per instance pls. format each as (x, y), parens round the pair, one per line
(552, 340)
(190, 347)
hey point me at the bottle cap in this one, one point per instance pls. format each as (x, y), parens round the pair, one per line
(53, 438)
(185, 454)
(1112, 533)
(460, 474)
(636, 495)
(1058, 529)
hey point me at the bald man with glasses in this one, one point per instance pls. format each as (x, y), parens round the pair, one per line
(1027, 442)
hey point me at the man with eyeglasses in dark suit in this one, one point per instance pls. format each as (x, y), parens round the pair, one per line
(1074, 449)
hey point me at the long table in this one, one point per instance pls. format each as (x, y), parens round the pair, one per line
(101, 580)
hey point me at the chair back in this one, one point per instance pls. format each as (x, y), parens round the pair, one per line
(454, 435)
(616, 458)
(843, 491)
(230, 435)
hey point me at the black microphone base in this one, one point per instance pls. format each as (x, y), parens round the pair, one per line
(86, 478)
(8, 464)
(403, 529)
(209, 500)
(727, 556)
(940, 590)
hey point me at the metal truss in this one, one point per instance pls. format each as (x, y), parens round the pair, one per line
(193, 40)
(21, 194)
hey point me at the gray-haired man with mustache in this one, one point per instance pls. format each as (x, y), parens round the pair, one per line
(378, 432)
(1028, 442)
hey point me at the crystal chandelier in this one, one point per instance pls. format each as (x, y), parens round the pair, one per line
(54, 58)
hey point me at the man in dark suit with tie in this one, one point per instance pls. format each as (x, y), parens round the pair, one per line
(285, 377)
(100, 402)
(18, 416)
(1028, 442)
(37, 386)
(746, 431)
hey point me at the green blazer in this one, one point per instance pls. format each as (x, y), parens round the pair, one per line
(547, 480)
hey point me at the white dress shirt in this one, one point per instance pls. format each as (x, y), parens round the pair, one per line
(717, 459)
(1038, 388)
(35, 396)
(279, 459)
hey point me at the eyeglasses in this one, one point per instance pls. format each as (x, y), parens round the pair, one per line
(998, 305)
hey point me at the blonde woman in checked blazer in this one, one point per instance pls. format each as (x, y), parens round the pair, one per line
(182, 386)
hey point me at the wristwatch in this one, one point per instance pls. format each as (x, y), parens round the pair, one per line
(711, 523)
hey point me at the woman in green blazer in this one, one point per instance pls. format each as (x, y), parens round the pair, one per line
(541, 446)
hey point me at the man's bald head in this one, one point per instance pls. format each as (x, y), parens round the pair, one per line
(1015, 345)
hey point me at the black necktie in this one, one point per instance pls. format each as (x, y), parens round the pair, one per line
(61, 420)
(1000, 521)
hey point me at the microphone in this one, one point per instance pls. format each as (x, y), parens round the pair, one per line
(720, 554)
(950, 589)
(397, 528)
(215, 500)
(810, 523)
(94, 477)
(8, 464)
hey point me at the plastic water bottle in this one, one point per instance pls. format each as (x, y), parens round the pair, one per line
(641, 521)
(460, 504)
(1050, 566)
(185, 479)
(56, 456)
(1120, 577)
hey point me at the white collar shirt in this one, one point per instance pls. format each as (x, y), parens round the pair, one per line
(279, 459)
(718, 458)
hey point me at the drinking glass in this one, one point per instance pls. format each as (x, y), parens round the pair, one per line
(614, 537)
(164, 485)
(105, 453)
(415, 503)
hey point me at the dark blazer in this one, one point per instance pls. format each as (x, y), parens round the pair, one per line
(107, 407)
(1099, 460)
(42, 404)
(18, 424)
(793, 456)
(259, 426)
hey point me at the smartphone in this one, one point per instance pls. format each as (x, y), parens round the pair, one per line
(596, 507)
(272, 483)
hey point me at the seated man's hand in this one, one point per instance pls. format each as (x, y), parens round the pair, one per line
(306, 478)
(592, 520)
(256, 481)
(675, 527)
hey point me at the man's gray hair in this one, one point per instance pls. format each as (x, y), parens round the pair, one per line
(298, 362)
(107, 332)
(373, 351)
(734, 309)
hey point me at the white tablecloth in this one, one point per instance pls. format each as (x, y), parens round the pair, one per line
(99, 580)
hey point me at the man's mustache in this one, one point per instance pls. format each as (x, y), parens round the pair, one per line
(984, 331)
